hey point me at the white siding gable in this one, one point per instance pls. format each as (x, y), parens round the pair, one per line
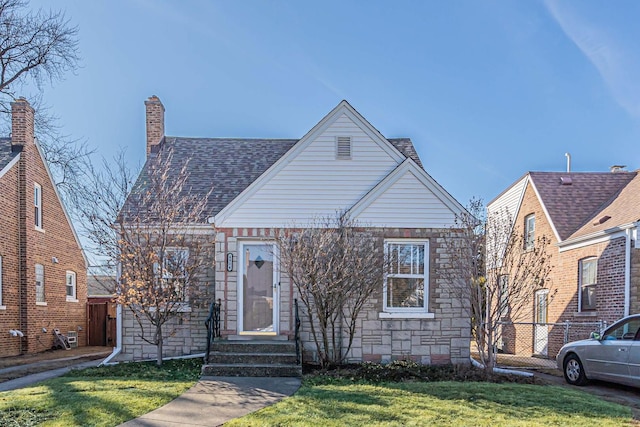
(310, 182)
(408, 198)
(510, 200)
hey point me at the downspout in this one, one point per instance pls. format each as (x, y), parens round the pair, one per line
(118, 348)
(627, 271)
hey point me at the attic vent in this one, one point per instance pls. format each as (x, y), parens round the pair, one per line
(565, 180)
(343, 147)
(602, 220)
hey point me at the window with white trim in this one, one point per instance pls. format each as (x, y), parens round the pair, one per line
(588, 280)
(71, 286)
(39, 270)
(174, 270)
(37, 205)
(529, 231)
(406, 283)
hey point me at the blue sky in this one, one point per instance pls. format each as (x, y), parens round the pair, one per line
(486, 90)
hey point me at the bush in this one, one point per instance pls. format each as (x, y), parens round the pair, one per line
(407, 370)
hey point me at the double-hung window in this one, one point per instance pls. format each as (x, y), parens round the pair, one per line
(588, 282)
(39, 270)
(406, 282)
(174, 271)
(71, 286)
(529, 231)
(37, 205)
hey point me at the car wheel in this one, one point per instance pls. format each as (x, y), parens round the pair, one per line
(573, 371)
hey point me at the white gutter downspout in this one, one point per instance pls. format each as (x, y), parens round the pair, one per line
(118, 348)
(627, 272)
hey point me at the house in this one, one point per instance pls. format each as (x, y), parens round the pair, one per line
(591, 219)
(43, 283)
(262, 186)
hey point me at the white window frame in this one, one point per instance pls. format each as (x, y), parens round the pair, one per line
(581, 285)
(37, 205)
(39, 278)
(2, 306)
(529, 231)
(168, 276)
(71, 275)
(407, 312)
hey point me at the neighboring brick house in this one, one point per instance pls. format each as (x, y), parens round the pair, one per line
(261, 186)
(43, 283)
(592, 220)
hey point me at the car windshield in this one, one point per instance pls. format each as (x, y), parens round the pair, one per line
(624, 331)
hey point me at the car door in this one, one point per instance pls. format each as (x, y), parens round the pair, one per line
(634, 362)
(609, 359)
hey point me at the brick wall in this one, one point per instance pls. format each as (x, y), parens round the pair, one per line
(54, 247)
(635, 280)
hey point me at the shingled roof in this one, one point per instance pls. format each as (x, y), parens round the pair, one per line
(572, 206)
(6, 154)
(227, 166)
(623, 209)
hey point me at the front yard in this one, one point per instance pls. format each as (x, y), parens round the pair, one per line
(108, 396)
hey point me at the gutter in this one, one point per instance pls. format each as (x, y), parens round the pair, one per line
(501, 370)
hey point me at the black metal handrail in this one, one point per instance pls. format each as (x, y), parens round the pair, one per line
(297, 332)
(213, 326)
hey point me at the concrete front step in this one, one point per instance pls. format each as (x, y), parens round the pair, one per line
(252, 358)
(253, 346)
(251, 370)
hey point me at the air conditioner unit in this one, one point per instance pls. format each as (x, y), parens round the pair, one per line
(72, 337)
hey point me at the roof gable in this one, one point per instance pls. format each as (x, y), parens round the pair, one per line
(569, 207)
(8, 157)
(386, 195)
(343, 109)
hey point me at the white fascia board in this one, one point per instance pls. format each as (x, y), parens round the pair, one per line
(544, 209)
(342, 108)
(9, 165)
(597, 237)
(407, 166)
(64, 208)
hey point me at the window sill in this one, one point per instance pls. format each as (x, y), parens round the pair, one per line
(40, 229)
(69, 299)
(585, 314)
(42, 304)
(3, 307)
(405, 315)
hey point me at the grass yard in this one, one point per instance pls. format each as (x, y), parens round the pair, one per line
(344, 403)
(105, 396)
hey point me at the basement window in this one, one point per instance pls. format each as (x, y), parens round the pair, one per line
(343, 148)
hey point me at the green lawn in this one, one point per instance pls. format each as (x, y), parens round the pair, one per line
(343, 403)
(105, 396)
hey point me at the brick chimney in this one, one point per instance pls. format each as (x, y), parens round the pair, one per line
(155, 122)
(21, 123)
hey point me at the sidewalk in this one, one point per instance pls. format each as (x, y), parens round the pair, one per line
(41, 376)
(216, 400)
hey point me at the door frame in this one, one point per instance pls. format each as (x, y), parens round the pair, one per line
(276, 287)
(541, 329)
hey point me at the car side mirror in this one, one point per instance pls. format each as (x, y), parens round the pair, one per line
(595, 336)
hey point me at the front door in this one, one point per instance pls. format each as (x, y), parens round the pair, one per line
(541, 329)
(258, 289)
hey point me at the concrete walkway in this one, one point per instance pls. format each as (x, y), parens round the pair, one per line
(216, 400)
(41, 376)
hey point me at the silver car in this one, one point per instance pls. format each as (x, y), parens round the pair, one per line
(613, 355)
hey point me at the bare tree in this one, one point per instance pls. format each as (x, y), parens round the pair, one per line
(37, 48)
(494, 272)
(150, 230)
(335, 266)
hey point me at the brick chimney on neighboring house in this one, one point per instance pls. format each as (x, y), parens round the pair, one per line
(155, 122)
(21, 124)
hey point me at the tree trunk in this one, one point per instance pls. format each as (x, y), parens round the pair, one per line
(159, 340)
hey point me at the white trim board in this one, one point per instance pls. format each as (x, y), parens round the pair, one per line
(9, 165)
